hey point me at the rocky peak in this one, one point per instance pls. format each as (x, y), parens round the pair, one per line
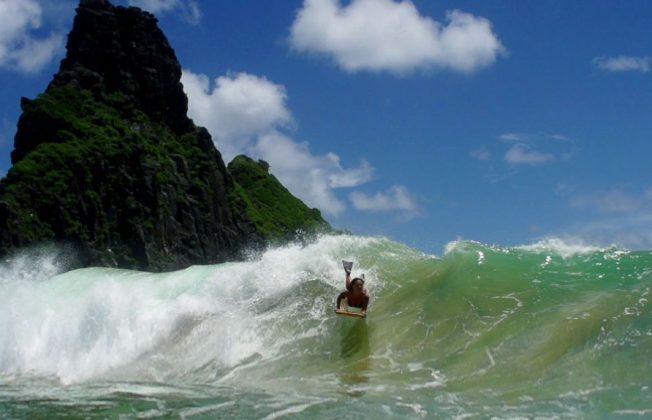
(118, 53)
(121, 49)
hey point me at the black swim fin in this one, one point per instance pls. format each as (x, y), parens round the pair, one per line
(348, 265)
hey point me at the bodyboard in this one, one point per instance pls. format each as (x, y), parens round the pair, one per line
(349, 313)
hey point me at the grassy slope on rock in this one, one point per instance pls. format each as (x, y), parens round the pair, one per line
(277, 213)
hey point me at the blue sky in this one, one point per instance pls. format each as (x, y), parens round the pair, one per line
(505, 122)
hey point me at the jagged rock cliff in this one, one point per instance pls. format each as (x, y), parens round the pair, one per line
(107, 162)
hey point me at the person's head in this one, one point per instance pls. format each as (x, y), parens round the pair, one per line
(357, 284)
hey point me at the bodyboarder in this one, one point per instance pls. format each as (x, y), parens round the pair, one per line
(356, 295)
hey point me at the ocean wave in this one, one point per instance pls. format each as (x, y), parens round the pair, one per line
(482, 326)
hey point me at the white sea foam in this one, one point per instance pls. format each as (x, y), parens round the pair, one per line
(564, 247)
(98, 321)
(567, 247)
(457, 245)
(34, 265)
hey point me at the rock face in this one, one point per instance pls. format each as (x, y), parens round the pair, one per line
(107, 162)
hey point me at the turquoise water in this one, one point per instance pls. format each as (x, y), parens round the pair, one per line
(551, 330)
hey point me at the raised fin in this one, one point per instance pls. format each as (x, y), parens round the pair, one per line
(348, 265)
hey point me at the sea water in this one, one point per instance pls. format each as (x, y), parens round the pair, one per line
(550, 330)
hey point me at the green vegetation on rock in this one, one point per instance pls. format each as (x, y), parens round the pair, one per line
(278, 215)
(111, 180)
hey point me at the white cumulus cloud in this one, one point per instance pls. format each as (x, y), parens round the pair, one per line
(248, 114)
(388, 35)
(313, 178)
(18, 48)
(396, 198)
(236, 109)
(623, 63)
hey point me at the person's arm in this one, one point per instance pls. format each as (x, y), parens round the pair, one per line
(339, 299)
(365, 303)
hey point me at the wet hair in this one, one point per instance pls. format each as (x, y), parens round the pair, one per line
(356, 279)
